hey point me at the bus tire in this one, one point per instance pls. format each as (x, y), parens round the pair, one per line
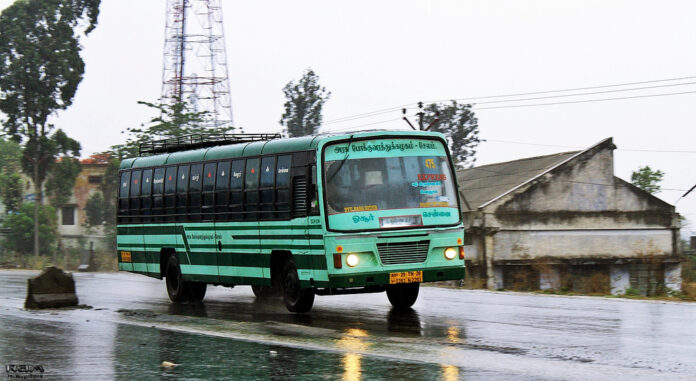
(196, 291)
(176, 287)
(296, 299)
(402, 296)
(261, 292)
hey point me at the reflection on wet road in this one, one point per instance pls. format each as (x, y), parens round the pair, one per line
(450, 334)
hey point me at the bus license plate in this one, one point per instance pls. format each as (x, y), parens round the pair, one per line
(406, 277)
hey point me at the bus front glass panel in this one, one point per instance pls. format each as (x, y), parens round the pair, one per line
(389, 183)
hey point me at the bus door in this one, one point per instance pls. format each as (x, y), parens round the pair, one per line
(302, 190)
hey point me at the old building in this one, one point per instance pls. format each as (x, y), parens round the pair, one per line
(564, 221)
(72, 216)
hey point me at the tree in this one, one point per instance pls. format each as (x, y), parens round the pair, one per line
(20, 225)
(172, 120)
(40, 69)
(101, 208)
(647, 179)
(11, 184)
(61, 181)
(305, 100)
(459, 125)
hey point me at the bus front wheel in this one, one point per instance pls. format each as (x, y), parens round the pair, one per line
(402, 296)
(296, 299)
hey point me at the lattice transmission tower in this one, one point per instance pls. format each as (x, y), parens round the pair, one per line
(195, 59)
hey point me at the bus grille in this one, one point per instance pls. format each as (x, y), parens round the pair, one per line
(403, 252)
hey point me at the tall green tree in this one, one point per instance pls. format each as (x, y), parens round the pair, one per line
(647, 179)
(304, 101)
(171, 120)
(40, 70)
(459, 125)
(11, 184)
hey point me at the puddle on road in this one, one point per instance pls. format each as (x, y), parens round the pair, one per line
(103, 350)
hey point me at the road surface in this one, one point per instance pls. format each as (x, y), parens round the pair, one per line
(128, 328)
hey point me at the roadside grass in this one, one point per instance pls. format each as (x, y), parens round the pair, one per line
(68, 260)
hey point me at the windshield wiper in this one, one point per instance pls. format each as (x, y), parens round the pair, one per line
(340, 165)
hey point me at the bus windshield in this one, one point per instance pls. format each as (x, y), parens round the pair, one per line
(359, 181)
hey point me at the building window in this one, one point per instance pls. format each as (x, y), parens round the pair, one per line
(68, 215)
(94, 179)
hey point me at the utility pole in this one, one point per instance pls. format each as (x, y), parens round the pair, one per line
(420, 114)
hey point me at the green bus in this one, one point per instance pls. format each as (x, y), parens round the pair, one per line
(314, 215)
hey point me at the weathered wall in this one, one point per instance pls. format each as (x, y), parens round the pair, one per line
(573, 244)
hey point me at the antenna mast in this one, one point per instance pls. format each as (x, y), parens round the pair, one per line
(195, 59)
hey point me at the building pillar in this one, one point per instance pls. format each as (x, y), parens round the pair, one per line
(620, 279)
(494, 274)
(673, 277)
(550, 278)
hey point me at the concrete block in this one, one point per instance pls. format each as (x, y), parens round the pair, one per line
(620, 279)
(52, 288)
(673, 277)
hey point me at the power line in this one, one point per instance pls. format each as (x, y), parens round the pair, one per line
(586, 100)
(395, 108)
(572, 89)
(587, 93)
(575, 147)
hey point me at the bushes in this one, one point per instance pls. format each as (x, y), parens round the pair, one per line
(20, 237)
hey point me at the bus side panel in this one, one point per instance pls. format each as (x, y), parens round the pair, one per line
(314, 263)
(198, 252)
(241, 261)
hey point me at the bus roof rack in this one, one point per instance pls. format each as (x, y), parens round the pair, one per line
(188, 142)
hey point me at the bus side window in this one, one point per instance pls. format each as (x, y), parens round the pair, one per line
(266, 188)
(195, 186)
(146, 198)
(135, 196)
(170, 193)
(282, 187)
(251, 185)
(123, 197)
(182, 182)
(236, 182)
(222, 184)
(209, 191)
(157, 189)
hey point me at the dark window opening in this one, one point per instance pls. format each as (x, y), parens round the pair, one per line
(68, 215)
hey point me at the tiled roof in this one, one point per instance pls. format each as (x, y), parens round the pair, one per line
(482, 184)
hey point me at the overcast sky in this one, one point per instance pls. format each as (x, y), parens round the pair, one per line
(374, 55)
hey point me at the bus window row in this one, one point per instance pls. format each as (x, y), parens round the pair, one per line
(241, 189)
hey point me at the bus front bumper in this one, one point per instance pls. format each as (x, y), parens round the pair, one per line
(436, 274)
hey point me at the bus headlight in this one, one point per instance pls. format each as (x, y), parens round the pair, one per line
(352, 260)
(450, 253)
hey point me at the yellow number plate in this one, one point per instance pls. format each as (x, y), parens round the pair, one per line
(125, 256)
(406, 277)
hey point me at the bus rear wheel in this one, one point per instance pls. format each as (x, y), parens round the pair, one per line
(402, 296)
(180, 291)
(297, 299)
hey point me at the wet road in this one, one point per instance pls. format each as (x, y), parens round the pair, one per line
(451, 334)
